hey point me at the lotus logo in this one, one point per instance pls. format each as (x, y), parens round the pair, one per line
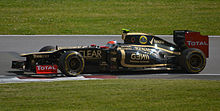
(143, 39)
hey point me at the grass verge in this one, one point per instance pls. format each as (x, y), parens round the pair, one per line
(112, 95)
(108, 16)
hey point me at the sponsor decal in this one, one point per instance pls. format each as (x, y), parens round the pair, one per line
(143, 39)
(123, 56)
(46, 69)
(142, 49)
(196, 40)
(158, 41)
(113, 52)
(91, 53)
(41, 56)
(113, 59)
(149, 48)
(154, 41)
(194, 43)
(139, 58)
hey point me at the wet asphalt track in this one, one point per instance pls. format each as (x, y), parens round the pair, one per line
(11, 46)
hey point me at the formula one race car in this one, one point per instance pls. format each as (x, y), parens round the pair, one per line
(139, 52)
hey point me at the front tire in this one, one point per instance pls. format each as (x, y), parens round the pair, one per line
(71, 63)
(193, 60)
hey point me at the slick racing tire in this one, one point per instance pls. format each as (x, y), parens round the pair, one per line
(71, 63)
(193, 60)
(47, 48)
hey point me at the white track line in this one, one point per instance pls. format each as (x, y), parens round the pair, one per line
(202, 74)
(188, 74)
(17, 80)
(60, 35)
(159, 74)
(212, 36)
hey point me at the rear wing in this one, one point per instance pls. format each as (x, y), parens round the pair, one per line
(191, 39)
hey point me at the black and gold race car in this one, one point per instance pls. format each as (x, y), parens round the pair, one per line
(140, 51)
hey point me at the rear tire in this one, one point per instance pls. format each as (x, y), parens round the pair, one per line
(47, 48)
(71, 63)
(193, 60)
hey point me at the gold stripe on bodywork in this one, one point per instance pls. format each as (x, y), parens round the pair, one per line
(74, 47)
(137, 34)
(129, 65)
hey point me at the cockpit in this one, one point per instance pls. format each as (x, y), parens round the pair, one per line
(111, 44)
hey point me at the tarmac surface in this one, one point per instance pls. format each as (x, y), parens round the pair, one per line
(12, 46)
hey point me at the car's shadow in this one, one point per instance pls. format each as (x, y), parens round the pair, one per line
(121, 73)
(150, 72)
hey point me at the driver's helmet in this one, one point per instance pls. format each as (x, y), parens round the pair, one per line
(111, 44)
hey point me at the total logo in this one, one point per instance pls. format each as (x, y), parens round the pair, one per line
(194, 43)
(46, 69)
(42, 68)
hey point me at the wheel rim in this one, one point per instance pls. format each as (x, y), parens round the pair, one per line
(195, 61)
(74, 65)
